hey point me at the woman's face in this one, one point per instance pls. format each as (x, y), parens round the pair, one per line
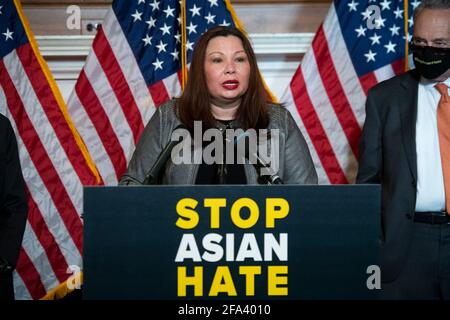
(227, 71)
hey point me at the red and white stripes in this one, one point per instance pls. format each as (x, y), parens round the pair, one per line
(54, 170)
(111, 103)
(329, 104)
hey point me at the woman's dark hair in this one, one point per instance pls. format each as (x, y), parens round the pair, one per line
(194, 103)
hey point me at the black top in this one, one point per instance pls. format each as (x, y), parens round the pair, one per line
(13, 201)
(231, 173)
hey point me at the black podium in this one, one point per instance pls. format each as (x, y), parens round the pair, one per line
(231, 242)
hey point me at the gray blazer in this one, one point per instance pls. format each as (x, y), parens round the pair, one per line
(295, 163)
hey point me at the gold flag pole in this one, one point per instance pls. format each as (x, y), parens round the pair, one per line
(405, 8)
(184, 71)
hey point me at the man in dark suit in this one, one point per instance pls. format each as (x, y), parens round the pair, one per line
(13, 207)
(403, 148)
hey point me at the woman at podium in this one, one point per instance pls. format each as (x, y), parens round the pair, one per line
(223, 129)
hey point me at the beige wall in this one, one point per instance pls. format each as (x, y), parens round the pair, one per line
(48, 17)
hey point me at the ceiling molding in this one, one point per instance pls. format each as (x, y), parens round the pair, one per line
(263, 44)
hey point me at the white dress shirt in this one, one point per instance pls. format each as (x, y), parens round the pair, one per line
(430, 180)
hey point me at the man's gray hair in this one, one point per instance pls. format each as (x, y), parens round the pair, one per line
(432, 4)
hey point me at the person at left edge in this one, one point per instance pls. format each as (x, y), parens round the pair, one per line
(13, 208)
(224, 90)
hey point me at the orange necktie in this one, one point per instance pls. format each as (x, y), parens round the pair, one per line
(443, 120)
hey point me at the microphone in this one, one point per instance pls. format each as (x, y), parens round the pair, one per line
(272, 177)
(222, 167)
(152, 175)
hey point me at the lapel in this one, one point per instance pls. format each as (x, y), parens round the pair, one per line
(408, 116)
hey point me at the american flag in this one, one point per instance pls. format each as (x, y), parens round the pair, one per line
(133, 67)
(54, 162)
(359, 44)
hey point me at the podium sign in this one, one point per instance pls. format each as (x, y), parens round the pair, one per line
(231, 242)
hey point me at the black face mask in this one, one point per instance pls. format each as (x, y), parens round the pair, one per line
(431, 62)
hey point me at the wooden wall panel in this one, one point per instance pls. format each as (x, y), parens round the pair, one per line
(285, 18)
(48, 17)
(51, 20)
